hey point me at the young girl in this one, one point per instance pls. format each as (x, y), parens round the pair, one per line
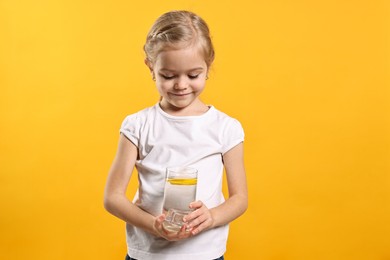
(180, 130)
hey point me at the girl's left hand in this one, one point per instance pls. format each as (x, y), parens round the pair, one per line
(200, 219)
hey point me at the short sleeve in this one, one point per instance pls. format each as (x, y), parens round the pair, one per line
(233, 135)
(131, 128)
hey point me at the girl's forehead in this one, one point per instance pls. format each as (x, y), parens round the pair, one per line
(182, 46)
(191, 57)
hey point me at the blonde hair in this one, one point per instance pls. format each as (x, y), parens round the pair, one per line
(178, 29)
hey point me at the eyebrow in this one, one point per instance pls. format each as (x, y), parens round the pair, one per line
(190, 70)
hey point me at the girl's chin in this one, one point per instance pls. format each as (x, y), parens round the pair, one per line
(176, 105)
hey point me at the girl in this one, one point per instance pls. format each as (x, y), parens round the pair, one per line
(180, 130)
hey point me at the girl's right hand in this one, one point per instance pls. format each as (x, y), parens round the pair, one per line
(183, 233)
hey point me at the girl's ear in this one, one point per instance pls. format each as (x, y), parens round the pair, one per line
(149, 64)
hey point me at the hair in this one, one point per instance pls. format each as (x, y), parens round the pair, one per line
(178, 29)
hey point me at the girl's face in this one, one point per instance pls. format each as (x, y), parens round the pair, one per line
(180, 78)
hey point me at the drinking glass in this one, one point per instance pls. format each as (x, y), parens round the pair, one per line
(179, 192)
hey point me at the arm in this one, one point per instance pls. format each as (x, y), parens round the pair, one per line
(115, 200)
(203, 218)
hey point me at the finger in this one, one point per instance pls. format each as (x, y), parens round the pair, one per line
(159, 220)
(198, 219)
(203, 225)
(158, 225)
(196, 204)
(195, 214)
(183, 233)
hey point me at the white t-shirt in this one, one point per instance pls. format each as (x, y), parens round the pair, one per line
(165, 141)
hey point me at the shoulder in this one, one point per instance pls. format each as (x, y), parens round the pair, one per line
(225, 119)
(141, 114)
(230, 130)
(137, 119)
(134, 124)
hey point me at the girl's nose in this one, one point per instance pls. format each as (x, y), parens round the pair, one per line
(180, 84)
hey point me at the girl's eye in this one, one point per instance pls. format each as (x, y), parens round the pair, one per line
(193, 76)
(167, 77)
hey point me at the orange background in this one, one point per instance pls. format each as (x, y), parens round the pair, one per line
(309, 80)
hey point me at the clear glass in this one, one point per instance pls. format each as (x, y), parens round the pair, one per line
(180, 191)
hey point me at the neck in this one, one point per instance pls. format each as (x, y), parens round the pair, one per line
(195, 109)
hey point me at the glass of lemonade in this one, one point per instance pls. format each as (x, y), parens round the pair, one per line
(180, 191)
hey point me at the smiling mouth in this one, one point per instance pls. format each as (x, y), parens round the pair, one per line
(180, 95)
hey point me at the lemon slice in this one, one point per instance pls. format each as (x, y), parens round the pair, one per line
(182, 181)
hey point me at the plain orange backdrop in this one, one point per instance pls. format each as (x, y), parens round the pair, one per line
(309, 80)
